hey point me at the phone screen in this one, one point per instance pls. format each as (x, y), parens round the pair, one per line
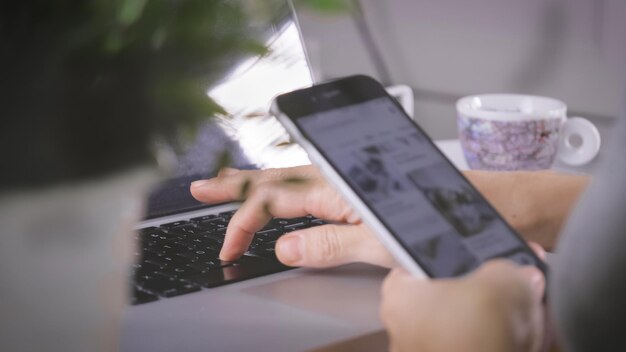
(430, 208)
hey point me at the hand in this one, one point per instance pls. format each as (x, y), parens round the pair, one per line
(292, 192)
(496, 308)
(535, 203)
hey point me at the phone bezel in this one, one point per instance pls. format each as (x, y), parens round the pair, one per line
(354, 90)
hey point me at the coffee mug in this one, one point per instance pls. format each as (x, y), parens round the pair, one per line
(522, 132)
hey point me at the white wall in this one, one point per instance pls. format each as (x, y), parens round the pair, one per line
(446, 49)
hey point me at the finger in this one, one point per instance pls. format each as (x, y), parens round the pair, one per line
(395, 277)
(227, 171)
(536, 279)
(247, 220)
(399, 289)
(271, 199)
(332, 245)
(539, 251)
(503, 275)
(232, 184)
(517, 293)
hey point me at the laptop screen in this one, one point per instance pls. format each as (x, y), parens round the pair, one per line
(248, 138)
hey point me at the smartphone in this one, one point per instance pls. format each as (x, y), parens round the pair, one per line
(427, 214)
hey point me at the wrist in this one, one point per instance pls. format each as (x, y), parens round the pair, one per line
(550, 199)
(535, 203)
(509, 193)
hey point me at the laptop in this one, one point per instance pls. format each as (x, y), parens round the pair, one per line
(183, 297)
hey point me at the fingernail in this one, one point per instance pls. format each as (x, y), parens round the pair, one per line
(535, 277)
(224, 256)
(200, 183)
(289, 249)
(538, 283)
(353, 218)
(228, 171)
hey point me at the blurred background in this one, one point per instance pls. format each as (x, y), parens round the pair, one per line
(448, 49)
(444, 50)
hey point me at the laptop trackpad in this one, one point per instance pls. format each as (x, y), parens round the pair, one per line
(349, 293)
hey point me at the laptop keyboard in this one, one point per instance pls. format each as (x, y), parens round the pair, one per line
(183, 256)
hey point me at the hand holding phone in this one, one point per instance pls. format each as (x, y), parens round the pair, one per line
(422, 209)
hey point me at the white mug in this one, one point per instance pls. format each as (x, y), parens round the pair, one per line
(522, 132)
(404, 95)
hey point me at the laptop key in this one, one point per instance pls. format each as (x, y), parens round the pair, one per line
(142, 275)
(203, 218)
(201, 268)
(213, 243)
(244, 260)
(199, 255)
(190, 256)
(174, 224)
(269, 233)
(213, 220)
(139, 297)
(155, 250)
(263, 251)
(257, 240)
(206, 227)
(180, 272)
(220, 225)
(142, 265)
(206, 219)
(294, 227)
(167, 287)
(181, 290)
(156, 238)
(175, 260)
(173, 248)
(285, 222)
(165, 274)
(215, 231)
(227, 215)
(188, 246)
(185, 230)
(212, 226)
(213, 238)
(147, 230)
(155, 260)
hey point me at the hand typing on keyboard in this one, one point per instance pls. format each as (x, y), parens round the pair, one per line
(181, 257)
(289, 193)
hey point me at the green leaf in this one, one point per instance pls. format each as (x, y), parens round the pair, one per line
(244, 189)
(131, 11)
(267, 209)
(330, 6)
(295, 180)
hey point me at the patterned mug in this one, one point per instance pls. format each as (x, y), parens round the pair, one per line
(522, 132)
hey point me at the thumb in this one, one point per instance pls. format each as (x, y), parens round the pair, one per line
(503, 275)
(331, 245)
(516, 293)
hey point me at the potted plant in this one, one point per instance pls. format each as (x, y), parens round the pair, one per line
(87, 88)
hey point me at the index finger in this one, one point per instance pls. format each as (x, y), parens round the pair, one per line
(231, 184)
(282, 200)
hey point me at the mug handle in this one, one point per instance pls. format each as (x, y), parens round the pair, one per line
(579, 141)
(404, 95)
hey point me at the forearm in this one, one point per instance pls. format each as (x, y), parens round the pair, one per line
(536, 204)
